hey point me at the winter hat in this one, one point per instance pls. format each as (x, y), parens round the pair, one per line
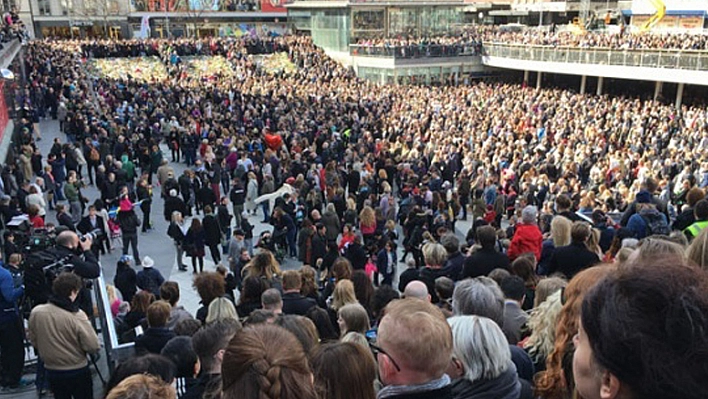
(643, 197)
(148, 262)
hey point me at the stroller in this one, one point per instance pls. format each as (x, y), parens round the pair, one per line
(113, 227)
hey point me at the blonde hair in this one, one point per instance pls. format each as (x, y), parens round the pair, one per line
(343, 294)
(542, 324)
(560, 231)
(367, 217)
(142, 386)
(417, 335)
(221, 309)
(434, 254)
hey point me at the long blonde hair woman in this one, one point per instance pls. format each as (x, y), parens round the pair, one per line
(560, 231)
(542, 324)
(343, 295)
(367, 220)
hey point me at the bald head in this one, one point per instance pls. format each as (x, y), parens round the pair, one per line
(68, 239)
(417, 289)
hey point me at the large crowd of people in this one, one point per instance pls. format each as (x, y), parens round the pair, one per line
(584, 271)
(474, 36)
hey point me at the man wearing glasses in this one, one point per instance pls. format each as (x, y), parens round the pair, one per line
(413, 350)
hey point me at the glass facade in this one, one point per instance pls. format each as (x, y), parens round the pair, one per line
(331, 28)
(424, 20)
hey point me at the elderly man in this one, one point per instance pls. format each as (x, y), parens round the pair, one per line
(63, 335)
(413, 350)
(417, 289)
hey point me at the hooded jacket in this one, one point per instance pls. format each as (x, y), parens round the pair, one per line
(505, 386)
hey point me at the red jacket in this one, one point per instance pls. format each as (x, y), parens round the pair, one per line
(527, 238)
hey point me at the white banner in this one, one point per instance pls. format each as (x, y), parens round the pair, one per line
(145, 28)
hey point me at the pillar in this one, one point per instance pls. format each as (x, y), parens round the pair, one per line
(538, 80)
(657, 89)
(583, 82)
(526, 77)
(599, 85)
(679, 95)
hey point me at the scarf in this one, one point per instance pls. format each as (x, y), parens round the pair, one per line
(64, 303)
(397, 390)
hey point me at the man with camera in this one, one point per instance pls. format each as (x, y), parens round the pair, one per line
(69, 253)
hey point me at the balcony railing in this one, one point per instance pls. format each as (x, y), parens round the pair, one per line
(415, 51)
(648, 58)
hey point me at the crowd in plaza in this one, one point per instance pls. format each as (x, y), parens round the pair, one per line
(475, 36)
(583, 274)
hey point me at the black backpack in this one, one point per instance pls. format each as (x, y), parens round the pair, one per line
(655, 223)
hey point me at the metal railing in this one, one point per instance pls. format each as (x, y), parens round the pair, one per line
(416, 51)
(115, 351)
(649, 58)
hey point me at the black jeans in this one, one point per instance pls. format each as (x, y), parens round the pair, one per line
(145, 207)
(215, 254)
(201, 263)
(12, 352)
(76, 384)
(131, 239)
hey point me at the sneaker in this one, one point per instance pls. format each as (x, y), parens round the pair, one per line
(20, 386)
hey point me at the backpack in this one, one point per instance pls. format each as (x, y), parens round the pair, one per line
(94, 155)
(655, 223)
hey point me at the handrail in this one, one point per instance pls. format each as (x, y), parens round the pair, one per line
(416, 50)
(695, 60)
(115, 351)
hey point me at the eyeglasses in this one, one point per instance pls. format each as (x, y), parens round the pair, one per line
(376, 350)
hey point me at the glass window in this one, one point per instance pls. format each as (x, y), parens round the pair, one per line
(368, 20)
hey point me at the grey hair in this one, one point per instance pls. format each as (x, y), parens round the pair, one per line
(529, 214)
(480, 296)
(434, 254)
(331, 208)
(480, 345)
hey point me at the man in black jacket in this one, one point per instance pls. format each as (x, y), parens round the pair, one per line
(573, 258)
(293, 301)
(487, 258)
(90, 223)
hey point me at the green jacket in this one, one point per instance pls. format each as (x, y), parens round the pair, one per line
(71, 192)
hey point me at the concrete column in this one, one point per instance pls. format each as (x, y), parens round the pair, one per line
(526, 77)
(657, 89)
(600, 80)
(538, 80)
(583, 82)
(679, 95)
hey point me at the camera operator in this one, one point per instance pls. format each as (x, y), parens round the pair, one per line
(75, 252)
(12, 354)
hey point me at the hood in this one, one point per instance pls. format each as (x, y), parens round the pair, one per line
(506, 386)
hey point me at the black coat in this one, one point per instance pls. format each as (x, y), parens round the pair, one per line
(441, 393)
(356, 254)
(484, 261)
(212, 231)
(65, 220)
(174, 204)
(295, 303)
(153, 340)
(571, 259)
(128, 222)
(126, 282)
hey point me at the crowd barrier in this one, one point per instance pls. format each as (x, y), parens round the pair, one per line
(115, 351)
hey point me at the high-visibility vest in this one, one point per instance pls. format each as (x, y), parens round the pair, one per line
(695, 229)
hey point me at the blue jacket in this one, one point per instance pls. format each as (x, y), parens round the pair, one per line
(9, 294)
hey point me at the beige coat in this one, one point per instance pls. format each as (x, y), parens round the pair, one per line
(62, 338)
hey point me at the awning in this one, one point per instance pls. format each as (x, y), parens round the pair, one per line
(700, 13)
(508, 13)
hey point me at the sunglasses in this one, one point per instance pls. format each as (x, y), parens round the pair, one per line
(376, 350)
